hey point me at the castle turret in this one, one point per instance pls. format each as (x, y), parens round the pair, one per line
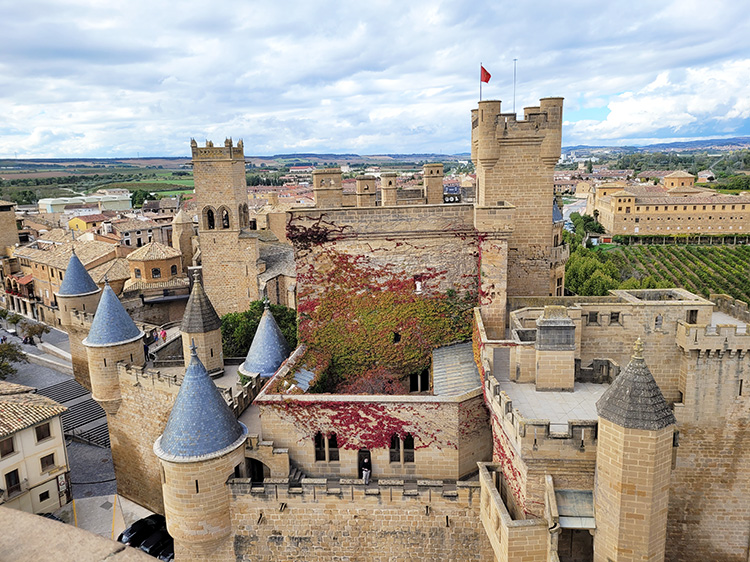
(182, 237)
(113, 338)
(268, 350)
(202, 326)
(514, 164)
(633, 466)
(78, 295)
(555, 350)
(327, 187)
(365, 191)
(388, 189)
(202, 446)
(433, 183)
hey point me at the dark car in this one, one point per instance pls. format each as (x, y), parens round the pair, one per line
(157, 542)
(142, 529)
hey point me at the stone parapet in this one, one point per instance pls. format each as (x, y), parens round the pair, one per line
(713, 339)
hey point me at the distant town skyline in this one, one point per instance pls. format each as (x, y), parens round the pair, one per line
(91, 79)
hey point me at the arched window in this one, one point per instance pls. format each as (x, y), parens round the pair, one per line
(155, 273)
(408, 448)
(173, 270)
(224, 218)
(320, 447)
(395, 449)
(137, 273)
(333, 448)
(210, 219)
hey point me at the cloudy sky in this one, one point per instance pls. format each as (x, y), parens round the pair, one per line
(85, 78)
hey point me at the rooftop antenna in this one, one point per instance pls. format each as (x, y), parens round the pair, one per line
(514, 85)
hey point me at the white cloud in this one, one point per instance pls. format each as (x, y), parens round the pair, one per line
(86, 78)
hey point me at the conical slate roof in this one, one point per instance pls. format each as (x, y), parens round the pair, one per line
(557, 216)
(200, 316)
(634, 399)
(201, 424)
(77, 280)
(269, 348)
(112, 324)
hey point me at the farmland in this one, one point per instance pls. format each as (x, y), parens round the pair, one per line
(700, 269)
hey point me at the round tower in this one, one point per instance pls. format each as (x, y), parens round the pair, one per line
(202, 445)
(633, 466)
(268, 350)
(113, 338)
(202, 326)
(77, 297)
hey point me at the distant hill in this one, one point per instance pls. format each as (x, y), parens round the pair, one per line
(733, 143)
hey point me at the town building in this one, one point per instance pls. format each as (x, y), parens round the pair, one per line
(34, 471)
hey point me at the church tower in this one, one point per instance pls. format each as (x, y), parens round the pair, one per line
(633, 467)
(78, 293)
(229, 249)
(202, 445)
(113, 338)
(201, 326)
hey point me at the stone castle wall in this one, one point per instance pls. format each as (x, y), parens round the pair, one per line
(349, 522)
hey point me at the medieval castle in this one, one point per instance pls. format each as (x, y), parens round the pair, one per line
(502, 420)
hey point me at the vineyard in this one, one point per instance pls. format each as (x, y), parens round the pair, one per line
(699, 269)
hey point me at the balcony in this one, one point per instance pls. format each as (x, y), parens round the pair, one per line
(14, 490)
(559, 254)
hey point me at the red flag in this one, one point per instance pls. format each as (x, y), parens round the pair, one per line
(485, 75)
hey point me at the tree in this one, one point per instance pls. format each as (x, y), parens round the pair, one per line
(138, 197)
(13, 319)
(4, 312)
(10, 353)
(238, 328)
(589, 167)
(33, 330)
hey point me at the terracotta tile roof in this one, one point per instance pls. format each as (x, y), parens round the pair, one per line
(91, 218)
(128, 225)
(114, 270)
(25, 409)
(55, 235)
(58, 256)
(7, 388)
(5, 203)
(153, 251)
(679, 174)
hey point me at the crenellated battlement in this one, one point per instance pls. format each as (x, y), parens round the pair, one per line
(713, 339)
(348, 490)
(210, 152)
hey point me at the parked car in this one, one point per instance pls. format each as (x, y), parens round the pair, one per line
(157, 543)
(142, 529)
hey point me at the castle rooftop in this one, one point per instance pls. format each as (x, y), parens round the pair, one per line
(77, 280)
(153, 251)
(201, 425)
(268, 350)
(112, 325)
(200, 316)
(634, 400)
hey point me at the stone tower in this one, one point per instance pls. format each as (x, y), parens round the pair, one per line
(633, 466)
(514, 164)
(268, 350)
(327, 187)
(229, 251)
(182, 237)
(388, 189)
(433, 183)
(113, 338)
(78, 293)
(201, 326)
(555, 350)
(202, 445)
(366, 190)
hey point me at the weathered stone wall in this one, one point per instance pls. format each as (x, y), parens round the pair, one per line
(146, 403)
(351, 523)
(447, 443)
(709, 508)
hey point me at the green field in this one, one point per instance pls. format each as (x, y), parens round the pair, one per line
(700, 269)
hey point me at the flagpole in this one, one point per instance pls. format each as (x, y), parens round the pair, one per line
(514, 85)
(480, 81)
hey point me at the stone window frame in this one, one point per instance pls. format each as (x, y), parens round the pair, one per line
(592, 318)
(401, 449)
(155, 273)
(615, 318)
(326, 447)
(137, 273)
(173, 270)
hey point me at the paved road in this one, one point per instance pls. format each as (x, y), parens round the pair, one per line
(578, 206)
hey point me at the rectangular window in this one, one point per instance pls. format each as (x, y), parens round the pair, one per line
(42, 432)
(6, 447)
(614, 317)
(593, 318)
(395, 449)
(12, 482)
(320, 448)
(44, 496)
(48, 462)
(408, 448)
(333, 448)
